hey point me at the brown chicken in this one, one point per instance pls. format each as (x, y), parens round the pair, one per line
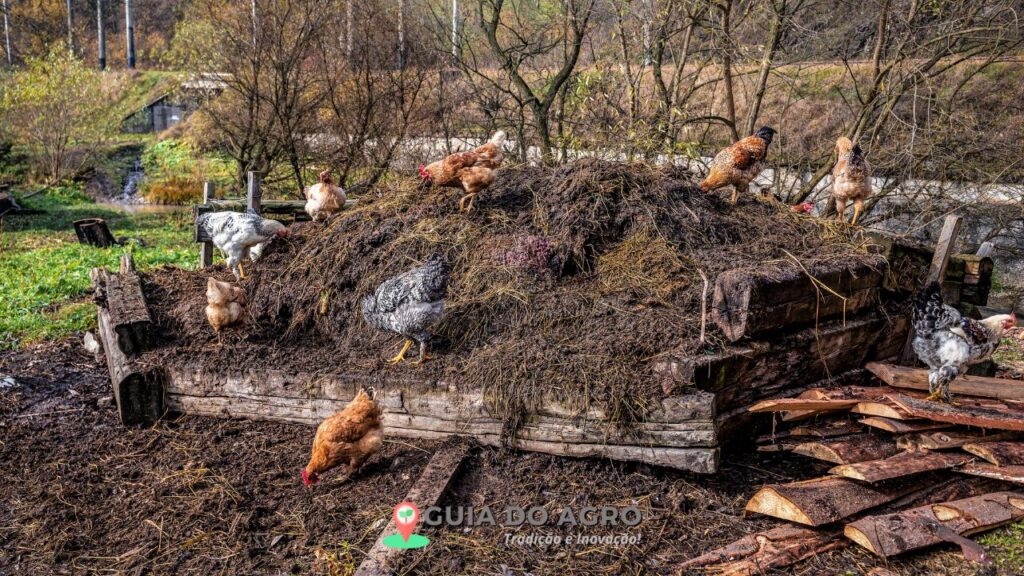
(224, 303)
(324, 198)
(739, 164)
(851, 178)
(472, 171)
(347, 438)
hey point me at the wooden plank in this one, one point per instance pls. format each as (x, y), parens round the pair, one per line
(936, 272)
(949, 439)
(802, 404)
(984, 417)
(891, 534)
(859, 448)
(827, 429)
(824, 500)
(1013, 474)
(903, 464)
(746, 304)
(428, 491)
(902, 426)
(761, 552)
(967, 385)
(882, 408)
(999, 453)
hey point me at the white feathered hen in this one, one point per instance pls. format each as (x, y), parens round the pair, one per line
(236, 233)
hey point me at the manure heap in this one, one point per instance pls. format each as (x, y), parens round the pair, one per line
(573, 320)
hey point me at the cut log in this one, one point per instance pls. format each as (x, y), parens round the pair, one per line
(949, 439)
(429, 489)
(999, 418)
(746, 304)
(1013, 474)
(94, 232)
(758, 553)
(823, 500)
(999, 453)
(891, 534)
(917, 379)
(138, 389)
(121, 295)
(858, 448)
(902, 426)
(903, 464)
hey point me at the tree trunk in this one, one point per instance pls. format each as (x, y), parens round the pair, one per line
(94, 232)
(730, 95)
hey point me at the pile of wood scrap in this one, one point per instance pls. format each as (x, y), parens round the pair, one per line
(903, 473)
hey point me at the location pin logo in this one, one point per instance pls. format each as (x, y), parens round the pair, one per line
(406, 515)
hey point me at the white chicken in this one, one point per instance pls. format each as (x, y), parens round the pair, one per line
(324, 199)
(236, 233)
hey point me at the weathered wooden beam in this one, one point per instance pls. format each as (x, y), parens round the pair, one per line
(746, 304)
(206, 247)
(824, 500)
(761, 552)
(999, 417)
(891, 534)
(680, 432)
(999, 453)
(900, 465)
(917, 379)
(253, 192)
(429, 489)
(949, 439)
(120, 294)
(936, 272)
(826, 429)
(1013, 474)
(850, 450)
(902, 426)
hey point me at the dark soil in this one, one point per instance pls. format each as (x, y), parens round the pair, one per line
(80, 494)
(567, 284)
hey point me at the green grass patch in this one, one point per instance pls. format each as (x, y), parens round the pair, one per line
(1006, 545)
(44, 271)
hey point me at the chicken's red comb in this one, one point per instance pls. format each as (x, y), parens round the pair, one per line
(423, 172)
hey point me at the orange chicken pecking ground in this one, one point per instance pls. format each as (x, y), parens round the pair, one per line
(739, 164)
(223, 304)
(347, 438)
(472, 171)
(324, 198)
(851, 178)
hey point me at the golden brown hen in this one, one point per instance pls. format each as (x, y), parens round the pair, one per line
(851, 178)
(472, 171)
(739, 164)
(223, 304)
(347, 438)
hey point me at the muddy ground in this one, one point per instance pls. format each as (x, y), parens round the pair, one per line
(79, 494)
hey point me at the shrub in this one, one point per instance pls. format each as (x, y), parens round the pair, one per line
(174, 190)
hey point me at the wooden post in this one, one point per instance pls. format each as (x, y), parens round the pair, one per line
(206, 248)
(936, 272)
(253, 194)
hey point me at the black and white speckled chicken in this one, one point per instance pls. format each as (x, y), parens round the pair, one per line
(949, 342)
(410, 304)
(236, 233)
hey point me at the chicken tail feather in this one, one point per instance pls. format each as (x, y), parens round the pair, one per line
(929, 309)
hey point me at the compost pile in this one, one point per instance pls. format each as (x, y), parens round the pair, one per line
(566, 282)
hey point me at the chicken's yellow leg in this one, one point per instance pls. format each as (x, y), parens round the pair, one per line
(401, 353)
(857, 207)
(466, 202)
(241, 271)
(735, 195)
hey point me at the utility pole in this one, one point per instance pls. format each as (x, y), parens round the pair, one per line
(7, 38)
(455, 29)
(71, 30)
(129, 33)
(101, 36)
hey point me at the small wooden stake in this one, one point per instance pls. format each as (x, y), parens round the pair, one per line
(253, 194)
(206, 248)
(936, 272)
